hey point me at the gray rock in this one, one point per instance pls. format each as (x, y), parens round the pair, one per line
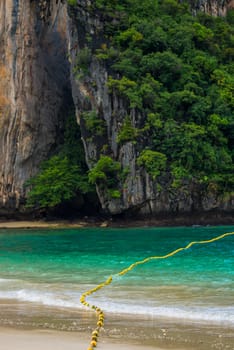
(34, 83)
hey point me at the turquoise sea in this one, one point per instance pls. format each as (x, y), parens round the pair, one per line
(54, 267)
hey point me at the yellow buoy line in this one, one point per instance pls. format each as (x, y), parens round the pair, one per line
(99, 311)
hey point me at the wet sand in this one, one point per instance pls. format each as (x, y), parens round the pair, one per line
(27, 326)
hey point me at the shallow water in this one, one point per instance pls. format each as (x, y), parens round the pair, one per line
(53, 267)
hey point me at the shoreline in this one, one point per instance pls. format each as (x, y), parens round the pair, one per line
(27, 224)
(25, 324)
(113, 223)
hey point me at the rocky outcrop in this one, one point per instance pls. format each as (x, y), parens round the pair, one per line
(213, 7)
(138, 191)
(34, 84)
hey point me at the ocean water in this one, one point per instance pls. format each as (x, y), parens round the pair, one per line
(54, 267)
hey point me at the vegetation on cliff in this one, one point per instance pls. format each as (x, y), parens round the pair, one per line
(64, 176)
(176, 71)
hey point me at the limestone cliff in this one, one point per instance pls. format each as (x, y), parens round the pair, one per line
(34, 83)
(213, 7)
(41, 44)
(139, 192)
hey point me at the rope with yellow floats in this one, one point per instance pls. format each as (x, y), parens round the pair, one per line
(99, 311)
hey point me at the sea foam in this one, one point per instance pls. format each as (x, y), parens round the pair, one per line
(59, 297)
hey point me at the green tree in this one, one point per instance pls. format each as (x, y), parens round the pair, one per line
(154, 162)
(58, 181)
(127, 132)
(107, 174)
(94, 123)
(63, 176)
(105, 171)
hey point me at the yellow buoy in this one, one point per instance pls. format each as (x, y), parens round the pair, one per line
(100, 322)
(93, 343)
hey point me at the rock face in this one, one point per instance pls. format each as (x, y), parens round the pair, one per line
(138, 191)
(36, 39)
(213, 7)
(34, 83)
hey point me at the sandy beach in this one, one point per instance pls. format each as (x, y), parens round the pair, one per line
(52, 340)
(191, 220)
(42, 224)
(12, 339)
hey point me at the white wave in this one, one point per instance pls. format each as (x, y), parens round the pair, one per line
(42, 297)
(191, 313)
(7, 280)
(115, 301)
(70, 299)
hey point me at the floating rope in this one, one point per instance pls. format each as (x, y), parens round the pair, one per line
(99, 311)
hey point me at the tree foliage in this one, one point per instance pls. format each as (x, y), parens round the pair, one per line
(154, 162)
(106, 173)
(57, 182)
(177, 71)
(63, 176)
